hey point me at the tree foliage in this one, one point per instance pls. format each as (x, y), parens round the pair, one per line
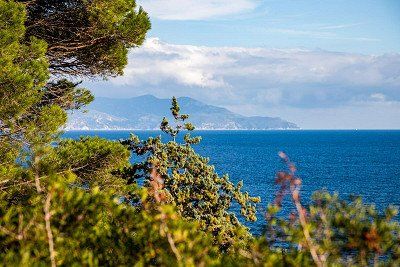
(91, 228)
(63, 203)
(191, 183)
(87, 38)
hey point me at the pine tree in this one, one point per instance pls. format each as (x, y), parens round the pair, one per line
(23, 74)
(63, 202)
(191, 183)
(87, 38)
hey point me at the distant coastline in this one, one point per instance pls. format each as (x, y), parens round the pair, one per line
(146, 113)
(197, 129)
(229, 130)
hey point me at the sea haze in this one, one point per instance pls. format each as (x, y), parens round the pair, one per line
(146, 112)
(362, 163)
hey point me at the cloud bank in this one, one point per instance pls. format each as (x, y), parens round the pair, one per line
(260, 81)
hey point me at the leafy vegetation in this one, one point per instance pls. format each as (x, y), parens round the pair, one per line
(81, 202)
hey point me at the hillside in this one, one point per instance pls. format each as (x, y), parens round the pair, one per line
(145, 113)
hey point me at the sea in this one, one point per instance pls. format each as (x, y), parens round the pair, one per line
(348, 162)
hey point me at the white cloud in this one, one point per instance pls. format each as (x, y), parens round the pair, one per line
(157, 62)
(296, 77)
(195, 9)
(299, 85)
(378, 97)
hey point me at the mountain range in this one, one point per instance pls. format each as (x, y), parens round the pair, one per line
(146, 112)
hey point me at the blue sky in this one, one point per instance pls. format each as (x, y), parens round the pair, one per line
(360, 26)
(321, 64)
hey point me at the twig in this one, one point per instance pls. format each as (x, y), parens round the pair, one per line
(303, 221)
(157, 185)
(173, 247)
(37, 177)
(8, 232)
(294, 185)
(42, 177)
(47, 217)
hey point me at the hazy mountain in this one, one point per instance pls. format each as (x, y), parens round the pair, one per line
(145, 113)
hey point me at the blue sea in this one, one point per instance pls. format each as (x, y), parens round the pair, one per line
(365, 163)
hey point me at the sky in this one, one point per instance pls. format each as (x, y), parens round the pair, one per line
(328, 64)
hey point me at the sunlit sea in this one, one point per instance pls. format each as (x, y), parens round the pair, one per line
(365, 163)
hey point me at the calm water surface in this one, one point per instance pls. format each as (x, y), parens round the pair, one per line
(363, 163)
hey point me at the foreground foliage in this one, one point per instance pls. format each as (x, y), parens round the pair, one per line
(82, 202)
(332, 231)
